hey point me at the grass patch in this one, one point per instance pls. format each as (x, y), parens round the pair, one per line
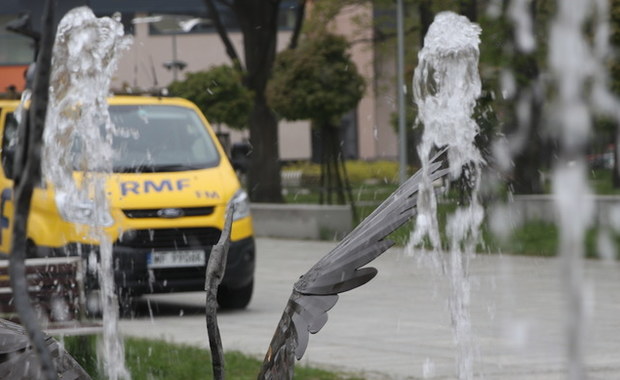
(358, 172)
(534, 238)
(372, 194)
(602, 182)
(156, 359)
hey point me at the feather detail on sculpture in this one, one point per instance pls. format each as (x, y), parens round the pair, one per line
(316, 292)
(18, 359)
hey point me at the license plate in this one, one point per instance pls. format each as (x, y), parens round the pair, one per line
(176, 259)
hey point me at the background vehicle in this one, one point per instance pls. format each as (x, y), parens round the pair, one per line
(168, 192)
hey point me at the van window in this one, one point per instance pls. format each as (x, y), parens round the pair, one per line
(157, 138)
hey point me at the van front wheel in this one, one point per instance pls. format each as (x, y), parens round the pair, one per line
(235, 298)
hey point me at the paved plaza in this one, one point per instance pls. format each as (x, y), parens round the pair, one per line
(398, 325)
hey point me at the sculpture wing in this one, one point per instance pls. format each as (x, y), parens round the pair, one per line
(18, 359)
(316, 292)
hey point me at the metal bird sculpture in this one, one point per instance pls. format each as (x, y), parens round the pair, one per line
(213, 277)
(19, 359)
(28, 175)
(316, 292)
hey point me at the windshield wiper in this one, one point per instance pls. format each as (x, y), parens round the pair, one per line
(157, 168)
(176, 167)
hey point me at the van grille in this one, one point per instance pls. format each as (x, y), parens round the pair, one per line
(170, 238)
(153, 212)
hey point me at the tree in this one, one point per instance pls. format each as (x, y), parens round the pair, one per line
(318, 81)
(530, 149)
(258, 21)
(413, 134)
(615, 81)
(219, 93)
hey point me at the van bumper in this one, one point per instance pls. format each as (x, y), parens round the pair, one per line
(133, 277)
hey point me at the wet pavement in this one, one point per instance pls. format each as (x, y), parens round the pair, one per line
(398, 325)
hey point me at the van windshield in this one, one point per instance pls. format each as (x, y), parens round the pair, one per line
(158, 138)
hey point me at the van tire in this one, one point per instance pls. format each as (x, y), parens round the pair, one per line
(31, 250)
(235, 298)
(126, 304)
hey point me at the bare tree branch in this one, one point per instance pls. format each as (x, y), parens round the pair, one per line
(221, 30)
(29, 176)
(300, 13)
(214, 274)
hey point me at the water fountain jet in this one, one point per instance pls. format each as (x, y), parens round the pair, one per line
(79, 137)
(446, 86)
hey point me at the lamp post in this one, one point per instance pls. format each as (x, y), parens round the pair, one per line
(175, 64)
(402, 133)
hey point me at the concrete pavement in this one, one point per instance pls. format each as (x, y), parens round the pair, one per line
(398, 325)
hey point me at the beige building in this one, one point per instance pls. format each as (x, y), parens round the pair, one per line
(376, 138)
(143, 67)
(165, 31)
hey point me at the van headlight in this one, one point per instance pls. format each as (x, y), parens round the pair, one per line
(82, 211)
(241, 202)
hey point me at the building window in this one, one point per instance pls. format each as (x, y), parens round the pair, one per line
(287, 15)
(14, 48)
(179, 23)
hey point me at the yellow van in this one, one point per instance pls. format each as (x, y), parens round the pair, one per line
(168, 192)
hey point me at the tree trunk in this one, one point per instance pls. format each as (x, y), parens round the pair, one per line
(259, 24)
(536, 152)
(414, 136)
(333, 175)
(426, 19)
(336, 156)
(469, 8)
(327, 163)
(264, 170)
(616, 168)
(532, 158)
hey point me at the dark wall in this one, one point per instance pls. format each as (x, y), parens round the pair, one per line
(35, 7)
(156, 6)
(106, 6)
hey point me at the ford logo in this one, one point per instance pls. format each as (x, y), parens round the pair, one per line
(170, 213)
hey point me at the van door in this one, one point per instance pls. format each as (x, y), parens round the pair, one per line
(8, 127)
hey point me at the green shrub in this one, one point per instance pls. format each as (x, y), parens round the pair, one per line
(359, 172)
(377, 171)
(219, 93)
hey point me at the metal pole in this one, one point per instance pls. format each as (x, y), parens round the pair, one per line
(402, 133)
(174, 57)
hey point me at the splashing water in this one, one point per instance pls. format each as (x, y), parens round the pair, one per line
(579, 78)
(78, 137)
(581, 82)
(446, 85)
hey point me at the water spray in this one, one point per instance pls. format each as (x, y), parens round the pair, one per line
(446, 85)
